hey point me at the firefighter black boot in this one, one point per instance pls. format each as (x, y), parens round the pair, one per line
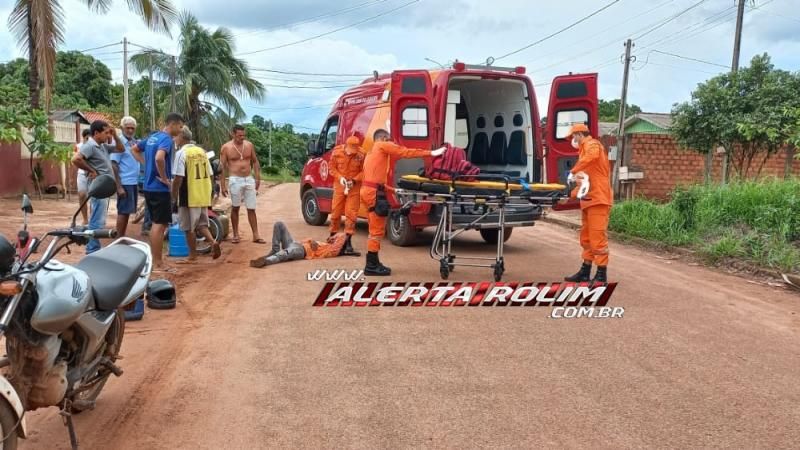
(374, 266)
(348, 247)
(582, 275)
(600, 277)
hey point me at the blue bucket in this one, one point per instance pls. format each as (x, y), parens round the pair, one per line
(177, 242)
(135, 310)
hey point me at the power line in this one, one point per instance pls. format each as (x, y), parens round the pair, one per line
(688, 58)
(312, 19)
(368, 19)
(101, 47)
(675, 16)
(282, 86)
(557, 32)
(328, 105)
(300, 80)
(289, 72)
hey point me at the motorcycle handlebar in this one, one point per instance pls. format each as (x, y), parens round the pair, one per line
(102, 233)
(97, 234)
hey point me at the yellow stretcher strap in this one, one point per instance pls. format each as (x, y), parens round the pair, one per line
(488, 184)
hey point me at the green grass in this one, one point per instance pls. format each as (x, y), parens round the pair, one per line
(755, 221)
(281, 176)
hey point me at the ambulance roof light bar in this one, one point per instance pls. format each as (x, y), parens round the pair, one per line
(460, 67)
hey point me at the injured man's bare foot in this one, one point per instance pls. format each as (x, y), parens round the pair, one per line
(258, 262)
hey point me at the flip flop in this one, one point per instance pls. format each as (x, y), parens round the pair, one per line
(236, 240)
(184, 262)
(216, 251)
(259, 241)
(165, 270)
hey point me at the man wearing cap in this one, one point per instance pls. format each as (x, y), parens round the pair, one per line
(347, 170)
(596, 204)
(376, 168)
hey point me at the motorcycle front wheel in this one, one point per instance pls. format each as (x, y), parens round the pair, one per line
(100, 376)
(8, 427)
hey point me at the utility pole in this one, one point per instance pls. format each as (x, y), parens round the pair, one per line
(270, 143)
(737, 47)
(621, 129)
(172, 84)
(152, 98)
(125, 98)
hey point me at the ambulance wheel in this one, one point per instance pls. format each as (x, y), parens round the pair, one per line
(490, 234)
(401, 232)
(312, 214)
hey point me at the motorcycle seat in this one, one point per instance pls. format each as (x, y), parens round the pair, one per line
(113, 271)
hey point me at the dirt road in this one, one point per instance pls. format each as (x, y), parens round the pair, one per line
(700, 359)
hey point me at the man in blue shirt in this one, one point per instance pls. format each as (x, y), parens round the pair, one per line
(126, 171)
(156, 151)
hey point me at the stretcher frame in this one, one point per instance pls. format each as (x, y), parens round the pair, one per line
(490, 203)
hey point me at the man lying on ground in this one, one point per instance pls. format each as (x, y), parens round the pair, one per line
(284, 248)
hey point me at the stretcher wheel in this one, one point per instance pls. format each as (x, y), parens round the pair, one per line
(444, 269)
(498, 271)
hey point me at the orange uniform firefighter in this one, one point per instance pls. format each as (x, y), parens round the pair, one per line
(373, 190)
(347, 170)
(596, 204)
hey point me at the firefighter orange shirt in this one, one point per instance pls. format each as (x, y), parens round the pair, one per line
(593, 161)
(316, 250)
(350, 166)
(376, 164)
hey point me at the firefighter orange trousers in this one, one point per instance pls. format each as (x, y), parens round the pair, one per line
(345, 204)
(594, 234)
(377, 224)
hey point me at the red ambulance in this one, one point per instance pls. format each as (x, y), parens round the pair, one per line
(489, 111)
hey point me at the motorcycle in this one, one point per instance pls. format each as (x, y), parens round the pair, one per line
(63, 324)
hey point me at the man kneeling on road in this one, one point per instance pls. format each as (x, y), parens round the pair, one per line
(285, 248)
(192, 192)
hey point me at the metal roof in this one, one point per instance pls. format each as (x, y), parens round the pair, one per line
(660, 120)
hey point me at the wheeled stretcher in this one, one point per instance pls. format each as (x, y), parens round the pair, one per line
(488, 196)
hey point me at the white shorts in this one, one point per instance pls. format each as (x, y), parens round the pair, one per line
(242, 189)
(191, 219)
(83, 182)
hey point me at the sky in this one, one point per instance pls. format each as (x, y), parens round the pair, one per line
(360, 36)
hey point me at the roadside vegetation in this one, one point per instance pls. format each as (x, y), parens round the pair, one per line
(754, 221)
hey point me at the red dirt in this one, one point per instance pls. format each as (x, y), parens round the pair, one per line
(700, 358)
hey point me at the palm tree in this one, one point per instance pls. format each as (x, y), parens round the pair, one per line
(208, 78)
(39, 27)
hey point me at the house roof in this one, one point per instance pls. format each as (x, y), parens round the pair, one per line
(86, 117)
(660, 120)
(608, 128)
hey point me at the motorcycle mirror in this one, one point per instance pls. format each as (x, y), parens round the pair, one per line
(311, 149)
(103, 186)
(27, 206)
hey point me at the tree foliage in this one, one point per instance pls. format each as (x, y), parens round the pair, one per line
(608, 110)
(39, 28)
(81, 82)
(288, 147)
(208, 79)
(751, 114)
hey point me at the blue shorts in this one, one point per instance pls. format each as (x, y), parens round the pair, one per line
(127, 205)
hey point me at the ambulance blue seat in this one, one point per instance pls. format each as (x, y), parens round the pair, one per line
(480, 149)
(497, 149)
(515, 152)
(480, 146)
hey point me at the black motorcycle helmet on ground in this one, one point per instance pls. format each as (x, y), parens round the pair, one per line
(7, 253)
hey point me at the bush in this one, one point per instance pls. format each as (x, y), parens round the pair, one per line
(757, 221)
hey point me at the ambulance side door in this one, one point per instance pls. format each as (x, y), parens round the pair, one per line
(573, 99)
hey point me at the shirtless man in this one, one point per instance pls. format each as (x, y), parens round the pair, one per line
(240, 164)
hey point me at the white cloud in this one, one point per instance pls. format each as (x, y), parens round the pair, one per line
(470, 30)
